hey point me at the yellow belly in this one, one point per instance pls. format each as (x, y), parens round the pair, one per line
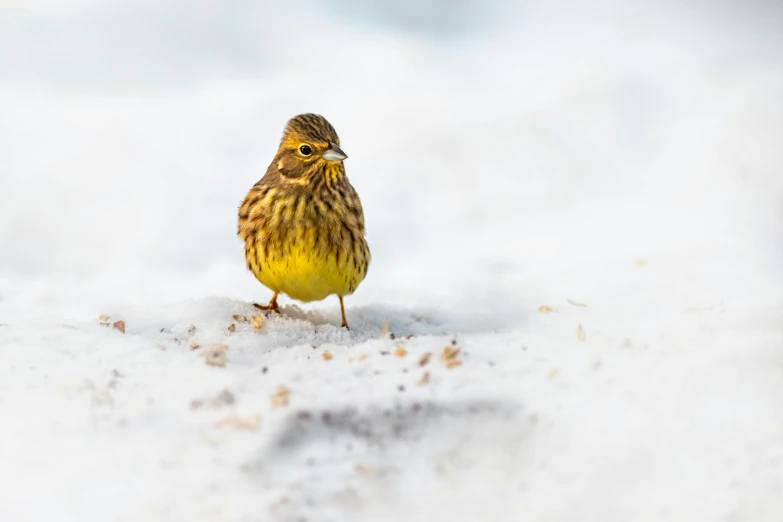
(305, 275)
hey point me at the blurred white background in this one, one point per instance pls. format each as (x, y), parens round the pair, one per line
(492, 142)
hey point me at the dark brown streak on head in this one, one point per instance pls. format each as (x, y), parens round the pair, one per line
(310, 127)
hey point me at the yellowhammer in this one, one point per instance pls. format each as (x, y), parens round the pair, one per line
(302, 223)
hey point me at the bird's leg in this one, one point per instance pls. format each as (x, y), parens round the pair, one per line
(342, 311)
(271, 306)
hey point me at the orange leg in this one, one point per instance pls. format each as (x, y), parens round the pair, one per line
(342, 311)
(271, 306)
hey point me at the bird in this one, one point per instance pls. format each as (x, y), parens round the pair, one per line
(302, 223)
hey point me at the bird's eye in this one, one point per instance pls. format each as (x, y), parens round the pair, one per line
(305, 150)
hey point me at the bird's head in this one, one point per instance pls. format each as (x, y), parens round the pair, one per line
(309, 145)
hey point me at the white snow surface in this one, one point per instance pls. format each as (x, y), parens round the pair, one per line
(624, 156)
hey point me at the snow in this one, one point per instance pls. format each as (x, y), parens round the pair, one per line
(624, 157)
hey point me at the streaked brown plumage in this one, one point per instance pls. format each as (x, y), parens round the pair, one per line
(303, 224)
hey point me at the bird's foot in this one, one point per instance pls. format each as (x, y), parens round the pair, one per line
(267, 308)
(271, 307)
(342, 313)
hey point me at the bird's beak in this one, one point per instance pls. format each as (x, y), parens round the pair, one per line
(334, 153)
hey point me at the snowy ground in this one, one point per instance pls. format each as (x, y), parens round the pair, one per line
(508, 158)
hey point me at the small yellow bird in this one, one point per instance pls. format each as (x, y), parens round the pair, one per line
(303, 223)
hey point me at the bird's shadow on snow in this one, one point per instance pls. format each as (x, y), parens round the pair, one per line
(401, 321)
